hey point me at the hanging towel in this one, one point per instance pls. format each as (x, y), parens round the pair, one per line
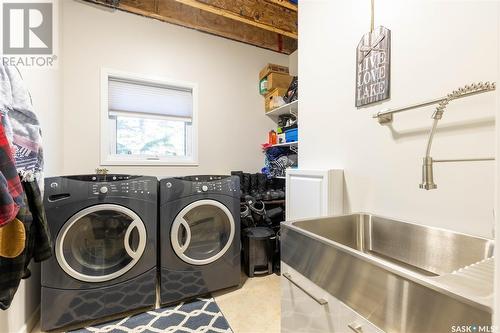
(22, 126)
(37, 245)
(10, 186)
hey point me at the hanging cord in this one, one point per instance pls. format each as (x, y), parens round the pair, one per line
(372, 22)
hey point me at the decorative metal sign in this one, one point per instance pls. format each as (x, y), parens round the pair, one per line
(373, 67)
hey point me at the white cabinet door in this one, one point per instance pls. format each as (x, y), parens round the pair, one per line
(307, 308)
(314, 193)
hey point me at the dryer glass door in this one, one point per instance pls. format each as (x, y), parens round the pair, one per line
(202, 232)
(100, 243)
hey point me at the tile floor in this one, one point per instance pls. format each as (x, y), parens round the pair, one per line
(252, 308)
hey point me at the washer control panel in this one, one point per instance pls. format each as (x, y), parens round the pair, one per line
(122, 186)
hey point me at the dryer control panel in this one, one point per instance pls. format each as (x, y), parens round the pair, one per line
(213, 184)
(174, 188)
(221, 186)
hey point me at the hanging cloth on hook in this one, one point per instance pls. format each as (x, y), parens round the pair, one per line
(38, 244)
(23, 126)
(21, 135)
(10, 187)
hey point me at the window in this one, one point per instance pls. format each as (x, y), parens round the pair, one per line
(147, 121)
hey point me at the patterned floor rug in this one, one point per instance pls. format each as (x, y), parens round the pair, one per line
(199, 315)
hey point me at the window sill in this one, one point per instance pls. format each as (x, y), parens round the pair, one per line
(160, 162)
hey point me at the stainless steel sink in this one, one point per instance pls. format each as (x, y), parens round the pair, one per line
(401, 276)
(426, 250)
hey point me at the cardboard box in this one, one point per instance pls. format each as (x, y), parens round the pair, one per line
(274, 81)
(272, 68)
(269, 98)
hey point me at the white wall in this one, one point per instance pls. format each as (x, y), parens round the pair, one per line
(231, 120)
(496, 312)
(437, 46)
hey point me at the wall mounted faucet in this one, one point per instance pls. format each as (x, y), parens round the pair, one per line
(428, 161)
(387, 116)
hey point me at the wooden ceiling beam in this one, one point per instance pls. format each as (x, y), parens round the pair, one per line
(174, 12)
(223, 26)
(259, 13)
(284, 3)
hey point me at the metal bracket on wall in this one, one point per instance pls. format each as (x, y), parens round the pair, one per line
(385, 118)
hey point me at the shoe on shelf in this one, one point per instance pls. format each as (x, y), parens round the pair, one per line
(254, 190)
(240, 176)
(275, 195)
(246, 217)
(245, 184)
(261, 183)
(274, 213)
(267, 196)
(249, 200)
(258, 209)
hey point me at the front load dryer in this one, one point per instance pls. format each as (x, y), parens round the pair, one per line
(104, 230)
(199, 236)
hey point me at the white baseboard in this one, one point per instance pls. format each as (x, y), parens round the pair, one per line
(32, 321)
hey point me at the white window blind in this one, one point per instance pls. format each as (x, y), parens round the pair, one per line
(136, 97)
(147, 121)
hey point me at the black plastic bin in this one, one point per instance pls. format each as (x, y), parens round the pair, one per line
(258, 250)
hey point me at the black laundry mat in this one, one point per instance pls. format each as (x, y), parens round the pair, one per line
(199, 315)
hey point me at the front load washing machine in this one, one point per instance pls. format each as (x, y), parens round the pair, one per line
(199, 236)
(104, 230)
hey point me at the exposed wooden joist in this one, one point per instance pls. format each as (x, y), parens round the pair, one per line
(174, 12)
(284, 3)
(253, 12)
(226, 27)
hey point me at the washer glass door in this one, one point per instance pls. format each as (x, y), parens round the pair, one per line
(202, 232)
(100, 243)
